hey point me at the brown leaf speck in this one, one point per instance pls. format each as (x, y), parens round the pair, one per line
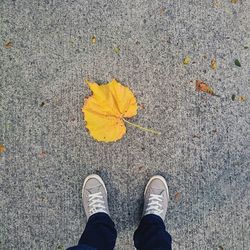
(177, 196)
(8, 45)
(2, 148)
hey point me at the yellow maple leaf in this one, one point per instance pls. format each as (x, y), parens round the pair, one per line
(105, 111)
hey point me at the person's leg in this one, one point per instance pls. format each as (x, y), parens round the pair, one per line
(100, 232)
(151, 233)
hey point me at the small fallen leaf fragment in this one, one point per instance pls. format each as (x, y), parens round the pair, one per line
(44, 199)
(8, 45)
(203, 87)
(42, 104)
(42, 154)
(93, 39)
(162, 11)
(2, 148)
(197, 136)
(242, 98)
(186, 60)
(213, 64)
(141, 167)
(237, 62)
(216, 4)
(141, 106)
(234, 1)
(117, 50)
(177, 196)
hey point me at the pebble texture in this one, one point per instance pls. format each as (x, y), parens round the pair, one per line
(203, 150)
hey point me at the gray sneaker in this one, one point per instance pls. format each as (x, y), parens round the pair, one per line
(94, 195)
(156, 197)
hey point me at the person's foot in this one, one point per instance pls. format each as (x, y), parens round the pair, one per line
(156, 197)
(94, 195)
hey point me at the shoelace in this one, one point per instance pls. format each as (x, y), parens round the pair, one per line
(96, 203)
(154, 206)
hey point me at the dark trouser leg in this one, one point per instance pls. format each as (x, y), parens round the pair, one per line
(151, 234)
(99, 233)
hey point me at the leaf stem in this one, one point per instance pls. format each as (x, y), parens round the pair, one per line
(142, 128)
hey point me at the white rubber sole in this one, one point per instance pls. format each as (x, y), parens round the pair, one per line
(95, 176)
(157, 177)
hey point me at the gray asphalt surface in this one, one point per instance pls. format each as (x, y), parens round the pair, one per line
(203, 150)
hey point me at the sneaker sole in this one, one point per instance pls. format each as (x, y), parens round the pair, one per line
(157, 177)
(95, 176)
